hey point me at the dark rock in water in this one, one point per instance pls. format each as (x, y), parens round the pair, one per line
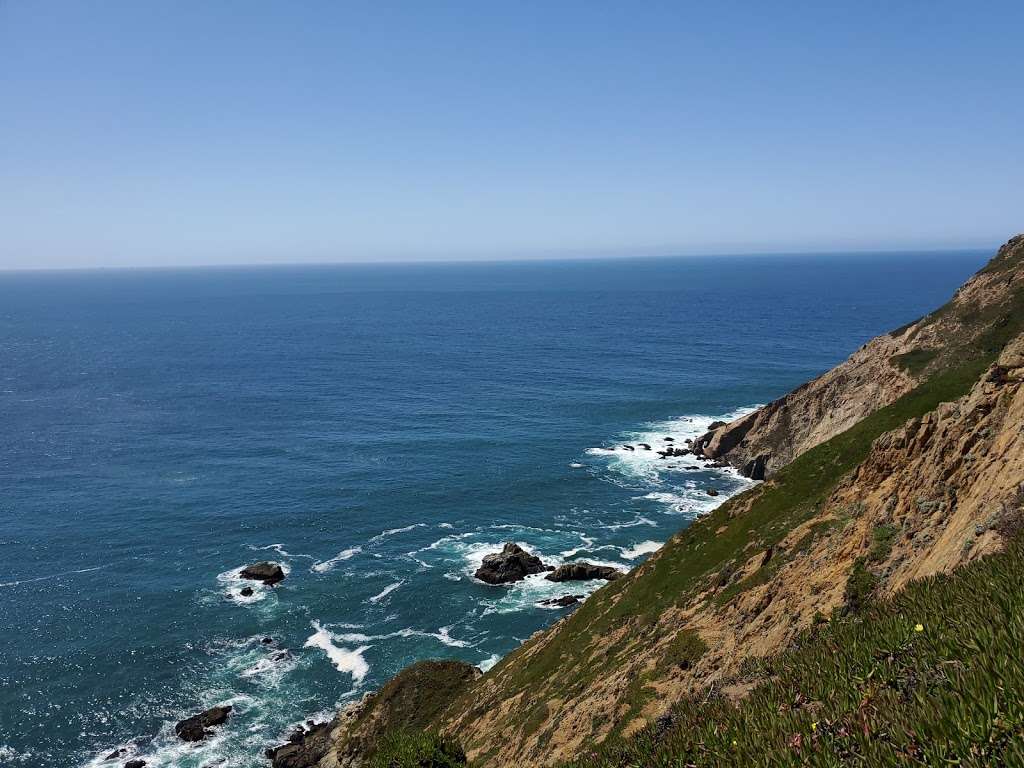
(305, 748)
(645, 446)
(119, 752)
(135, 764)
(715, 425)
(629, 447)
(281, 655)
(669, 439)
(756, 468)
(563, 601)
(196, 728)
(267, 641)
(268, 573)
(688, 441)
(246, 592)
(719, 464)
(511, 564)
(581, 571)
(712, 492)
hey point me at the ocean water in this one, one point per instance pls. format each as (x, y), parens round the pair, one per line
(377, 430)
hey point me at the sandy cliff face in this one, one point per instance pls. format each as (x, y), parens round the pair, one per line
(881, 371)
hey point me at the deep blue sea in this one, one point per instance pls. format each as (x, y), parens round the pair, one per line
(377, 430)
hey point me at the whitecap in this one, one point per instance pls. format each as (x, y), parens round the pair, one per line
(51, 576)
(643, 548)
(386, 591)
(327, 565)
(395, 531)
(343, 659)
(638, 520)
(442, 635)
(11, 755)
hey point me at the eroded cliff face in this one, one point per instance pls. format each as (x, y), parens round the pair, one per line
(859, 514)
(881, 371)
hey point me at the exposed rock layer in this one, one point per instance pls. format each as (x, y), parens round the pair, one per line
(874, 376)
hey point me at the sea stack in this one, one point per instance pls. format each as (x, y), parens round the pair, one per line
(513, 563)
(267, 572)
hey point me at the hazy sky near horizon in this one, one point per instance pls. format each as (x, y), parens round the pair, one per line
(155, 133)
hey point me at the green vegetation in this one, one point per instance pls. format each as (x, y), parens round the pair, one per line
(915, 361)
(860, 587)
(932, 677)
(881, 543)
(411, 749)
(685, 650)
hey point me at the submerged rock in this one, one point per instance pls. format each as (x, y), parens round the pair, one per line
(196, 728)
(135, 764)
(305, 747)
(268, 573)
(563, 601)
(582, 571)
(513, 563)
(712, 492)
(246, 592)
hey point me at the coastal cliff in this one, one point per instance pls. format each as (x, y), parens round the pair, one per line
(877, 374)
(904, 462)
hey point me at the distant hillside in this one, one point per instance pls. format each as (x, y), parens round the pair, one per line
(903, 462)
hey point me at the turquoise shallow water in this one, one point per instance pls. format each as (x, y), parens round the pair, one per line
(376, 430)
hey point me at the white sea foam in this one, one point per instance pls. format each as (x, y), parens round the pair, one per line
(394, 531)
(629, 457)
(643, 548)
(279, 548)
(343, 659)
(9, 755)
(638, 520)
(233, 584)
(448, 526)
(442, 635)
(386, 591)
(51, 576)
(266, 667)
(489, 662)
(322, 566)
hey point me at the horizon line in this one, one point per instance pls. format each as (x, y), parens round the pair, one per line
(563, 257)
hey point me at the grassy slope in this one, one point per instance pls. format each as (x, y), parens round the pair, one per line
(793, 495)
(934, 677)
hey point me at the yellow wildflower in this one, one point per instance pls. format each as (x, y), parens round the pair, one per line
(919, 628)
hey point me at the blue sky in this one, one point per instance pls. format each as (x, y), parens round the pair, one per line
(145, 133)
